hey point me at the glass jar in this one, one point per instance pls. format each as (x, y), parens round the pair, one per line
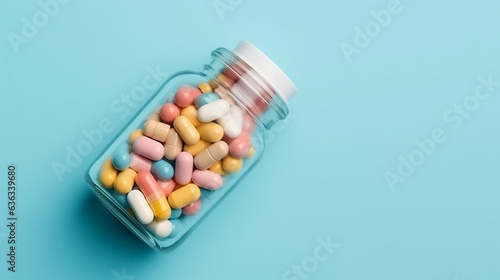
(257, 91)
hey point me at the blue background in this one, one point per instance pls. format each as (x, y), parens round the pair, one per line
(323, 173)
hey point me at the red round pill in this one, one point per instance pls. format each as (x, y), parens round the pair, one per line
(184, 96)
(169, 112)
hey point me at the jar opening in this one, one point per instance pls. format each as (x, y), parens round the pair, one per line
(249, 90)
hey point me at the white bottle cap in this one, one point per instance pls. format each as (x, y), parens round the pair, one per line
(266, 68)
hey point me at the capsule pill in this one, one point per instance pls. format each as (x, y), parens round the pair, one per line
(186, 130)
(211, 155)
(184, 196)
(108, 174)
(154, 195)
(173, 145)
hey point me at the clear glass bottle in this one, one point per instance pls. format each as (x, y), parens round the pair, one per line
(247, 78)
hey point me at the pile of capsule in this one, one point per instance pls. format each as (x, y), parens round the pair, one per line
(187, 144)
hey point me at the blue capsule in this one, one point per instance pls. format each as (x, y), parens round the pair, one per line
(162, 169)
(121, 199)
(121, 158)
(176, 213)
(206, 98)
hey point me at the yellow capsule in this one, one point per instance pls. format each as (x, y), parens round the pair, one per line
(134, 135)
(184, 196)
(251, 152)
(186, 130)
(217, 168)
(160, 208)
(231, 164)
(108, 174)
(125, 181)
(205, 87)
(196, 148)
(210, 132)
(191, 113)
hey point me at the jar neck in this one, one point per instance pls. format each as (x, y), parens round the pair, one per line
(246, 88)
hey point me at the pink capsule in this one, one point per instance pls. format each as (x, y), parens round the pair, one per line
(240, 145)
(139, 163)
(169, 112)
(192, 208)
(146, 183)
(183, 168)
(167, 186)
(148, 148)
(184, 96)
(207, 179)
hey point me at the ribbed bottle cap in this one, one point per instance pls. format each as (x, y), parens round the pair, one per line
(266, 68)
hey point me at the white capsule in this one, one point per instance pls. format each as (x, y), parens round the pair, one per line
(140, 206)
(232, 122)
(213, 110)
(161, 229)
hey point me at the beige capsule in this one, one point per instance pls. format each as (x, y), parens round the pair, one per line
(211, 155)
(173, 144)
(156, 130)
(155, 115)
